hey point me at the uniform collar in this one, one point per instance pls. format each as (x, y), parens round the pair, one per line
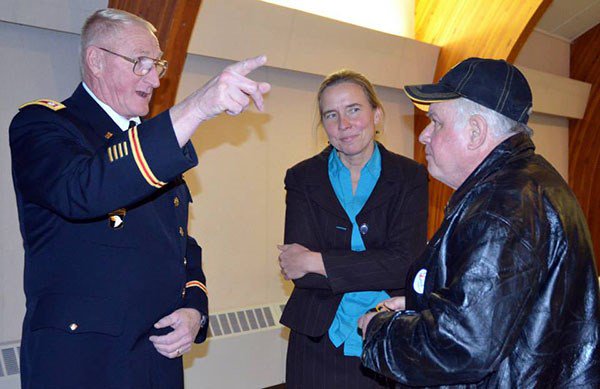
(119, 120)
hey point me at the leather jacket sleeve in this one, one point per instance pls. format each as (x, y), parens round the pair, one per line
(468, 318)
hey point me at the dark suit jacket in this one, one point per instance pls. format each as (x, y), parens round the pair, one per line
(94, 291)
(395, 227)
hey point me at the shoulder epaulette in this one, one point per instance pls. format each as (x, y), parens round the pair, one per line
(51, 104)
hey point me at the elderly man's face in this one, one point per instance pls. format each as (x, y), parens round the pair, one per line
(125, 92)
(446, 145)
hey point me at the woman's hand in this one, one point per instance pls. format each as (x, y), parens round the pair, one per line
(296, 260)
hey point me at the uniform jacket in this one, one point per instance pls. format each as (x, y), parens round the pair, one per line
(103, 214)
(392, 221)
(506, 293)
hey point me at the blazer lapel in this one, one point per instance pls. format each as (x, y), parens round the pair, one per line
(389, 179)
(90, 118)
(319, 188)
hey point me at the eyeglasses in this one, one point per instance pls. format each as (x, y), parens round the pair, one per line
(142, 65)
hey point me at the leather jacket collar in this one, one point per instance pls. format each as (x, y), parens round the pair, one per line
(511, 149)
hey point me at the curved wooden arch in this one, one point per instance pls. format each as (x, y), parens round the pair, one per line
(463, 29)
(584, 138)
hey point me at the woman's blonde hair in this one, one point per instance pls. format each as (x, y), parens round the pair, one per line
(345, 75)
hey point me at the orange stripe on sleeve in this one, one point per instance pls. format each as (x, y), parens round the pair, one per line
(197, 284)
(140, 160)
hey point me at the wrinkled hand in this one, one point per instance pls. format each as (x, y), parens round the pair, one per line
(364, 320)
(395, 303)
(186, 324)
(296, 260)
(391, 304)
(231, 91)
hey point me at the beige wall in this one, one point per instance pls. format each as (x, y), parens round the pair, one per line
(551, 133)
(551, 139)
(546, 53)
(238, 207)
(25, 51)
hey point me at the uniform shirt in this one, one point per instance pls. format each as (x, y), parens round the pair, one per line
(120, 121)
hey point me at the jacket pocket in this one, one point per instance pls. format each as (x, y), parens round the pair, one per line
(79, 314)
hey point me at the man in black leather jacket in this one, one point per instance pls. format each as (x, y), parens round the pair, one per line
(506, 293)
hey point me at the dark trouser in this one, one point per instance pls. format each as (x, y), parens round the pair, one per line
(317, 363)
(55, 359)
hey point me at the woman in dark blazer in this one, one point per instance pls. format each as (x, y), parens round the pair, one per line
(355, 220)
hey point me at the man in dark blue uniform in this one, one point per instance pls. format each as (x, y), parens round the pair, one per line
(114, 284)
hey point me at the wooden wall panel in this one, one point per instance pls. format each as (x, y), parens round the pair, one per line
(463, 29)
(174, 20)
(584, 134)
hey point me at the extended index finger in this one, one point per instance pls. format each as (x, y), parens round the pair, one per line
(246, 66)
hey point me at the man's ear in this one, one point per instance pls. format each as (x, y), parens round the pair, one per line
(94, 60)
(478, 131)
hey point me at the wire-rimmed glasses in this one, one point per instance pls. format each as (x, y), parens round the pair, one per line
(142, 65)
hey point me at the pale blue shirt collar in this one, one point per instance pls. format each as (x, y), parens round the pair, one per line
(119, 120)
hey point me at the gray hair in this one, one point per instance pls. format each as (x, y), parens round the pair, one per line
(502, 126)
(105, 24)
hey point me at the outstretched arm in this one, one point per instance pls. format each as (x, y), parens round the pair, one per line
(231, 92)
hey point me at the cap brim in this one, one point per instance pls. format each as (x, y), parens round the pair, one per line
(424, 95)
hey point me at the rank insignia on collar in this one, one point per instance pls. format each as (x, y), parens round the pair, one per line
(108, 135)
(116, 219)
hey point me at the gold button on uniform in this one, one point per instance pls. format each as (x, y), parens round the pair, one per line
(183, 293)
(184, 261)
(176, 201)
(73, 326)
(181, 232)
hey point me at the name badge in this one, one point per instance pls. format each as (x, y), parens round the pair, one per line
(419, 281)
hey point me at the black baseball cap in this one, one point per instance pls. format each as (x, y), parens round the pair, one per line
(493, 83)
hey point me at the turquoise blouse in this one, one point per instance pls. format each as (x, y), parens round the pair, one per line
(344, 328)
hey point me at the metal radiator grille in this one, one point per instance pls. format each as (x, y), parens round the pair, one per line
(245, 320)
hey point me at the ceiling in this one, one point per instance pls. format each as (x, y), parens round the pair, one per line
(568, 19)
